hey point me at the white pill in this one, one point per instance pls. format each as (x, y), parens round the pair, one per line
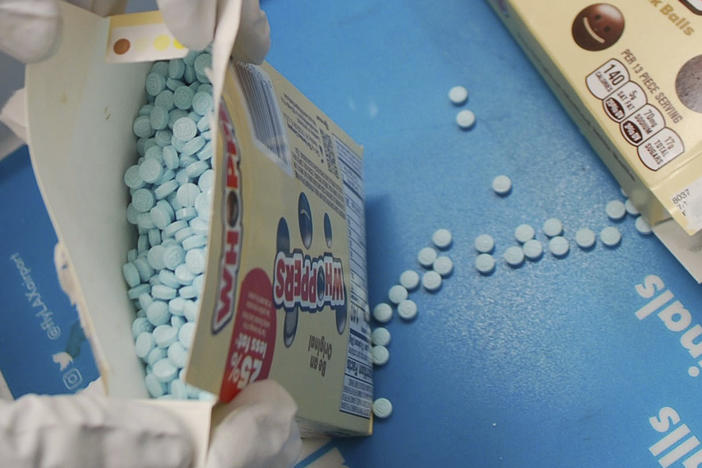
(523, 233)
(407, 309)
(382, 408)
(484, 263)
(610, 236)
(465, 119)
(484, 243)
(426, 257)
(458, 95)
(533, 249)
(431, 281)
(585, 238)
(443, 265)
(380, 336)
(615, 210)
(382, 312)
(380, 355)
(501, 185)
(630, 208)
(409, 279)
(559, 246)
(552, 227)
(442, 238)
(642, 226)
(514, 256)
(397, 294)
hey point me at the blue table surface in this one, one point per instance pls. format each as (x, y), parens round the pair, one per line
(542, 365)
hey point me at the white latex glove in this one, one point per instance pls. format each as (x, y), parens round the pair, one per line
(29, 29)
(90, 430)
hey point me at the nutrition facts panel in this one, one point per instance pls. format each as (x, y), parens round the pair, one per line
(358, 376)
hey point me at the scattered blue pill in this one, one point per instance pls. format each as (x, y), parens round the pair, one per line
(164, 100)
(160, 67)
(164, 370)
(185, 334)
(158, 118)
(195, 261)
(163, 292)
(144, 344)
(154, 386)
(131, 274)
(176, 68)
(132, 179)
(137, 291)
(188, 292)
(199, 226)
(144, 269)
(190, 311)
(142, 127)
(183, 234)
(193, 146)
(145, 300)
(157, 313)
(184, 129)
(184, 275)
(155, 355)
(150, 170)
(160, 217)
(165, 189)
(163, 138)
(165, 335)
(140, 325)
(173, 256)
(155, 257)
(183, 98)
(155, 83)
(202, 102)
(173, 84)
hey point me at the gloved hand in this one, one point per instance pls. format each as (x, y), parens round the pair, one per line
(88, 429)
(29, 29)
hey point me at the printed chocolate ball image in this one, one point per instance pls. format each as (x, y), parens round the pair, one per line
(688, 84)
(232, 209)
(282, 240)
(598, 26)
(304, 213)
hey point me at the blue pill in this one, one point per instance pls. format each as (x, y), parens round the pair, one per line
(185, 334)
(154, 386)
(131, 274)
(202, 77)
(190, 311)
(155, 257)
(195, 261)
(165, 189)
(186, 195)
(183, 98)
(206, 180)
(142, 244)
(132, 179)
(206, 152)
(144, 269)
(177, 354)
(145, 301)
(142, 200)
(140, 325)
(205, 88)
(168, 278)
(155, 152)
(167, 175)
(142, 126)
(195, 169)
(160, 67)
(149, 143)
(150, 171)
(170, 157)
(177, 389)
(164, 370)
(190, 57)
(189, 74)
(177, 143)
(165, 335)
(164, 100)
(193, 146)
(199, 226)
(158, 118)
(176, 306)
(176, 320)
(202, 205)
(186, 213)
(176, 68)
(154, 236)
(183, 234)
(182, 177)
(195, 241)
(173, 84)
(155, 355)
(184, 275)
(157, 313)
(145, 109)
(204, 123)
(140, 145)
(160, 217)
(173, 256)
(174, 227)
(144, 344)
(144, 223)
(184, 129)
(131, 255)
(132, 214)
(174, 115)
(163, 292)
(202, 103)
(163, 137)
(137, 291)
(198, 282)
(186, 160)
(155, 83)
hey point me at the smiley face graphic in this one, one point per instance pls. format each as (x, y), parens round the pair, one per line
(598, 26)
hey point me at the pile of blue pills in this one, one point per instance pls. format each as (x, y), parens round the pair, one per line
(170, 196)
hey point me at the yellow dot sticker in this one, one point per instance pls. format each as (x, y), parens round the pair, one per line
(162, 42)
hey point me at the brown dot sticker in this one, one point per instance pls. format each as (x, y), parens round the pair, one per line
(688, 84)
(121, 46)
